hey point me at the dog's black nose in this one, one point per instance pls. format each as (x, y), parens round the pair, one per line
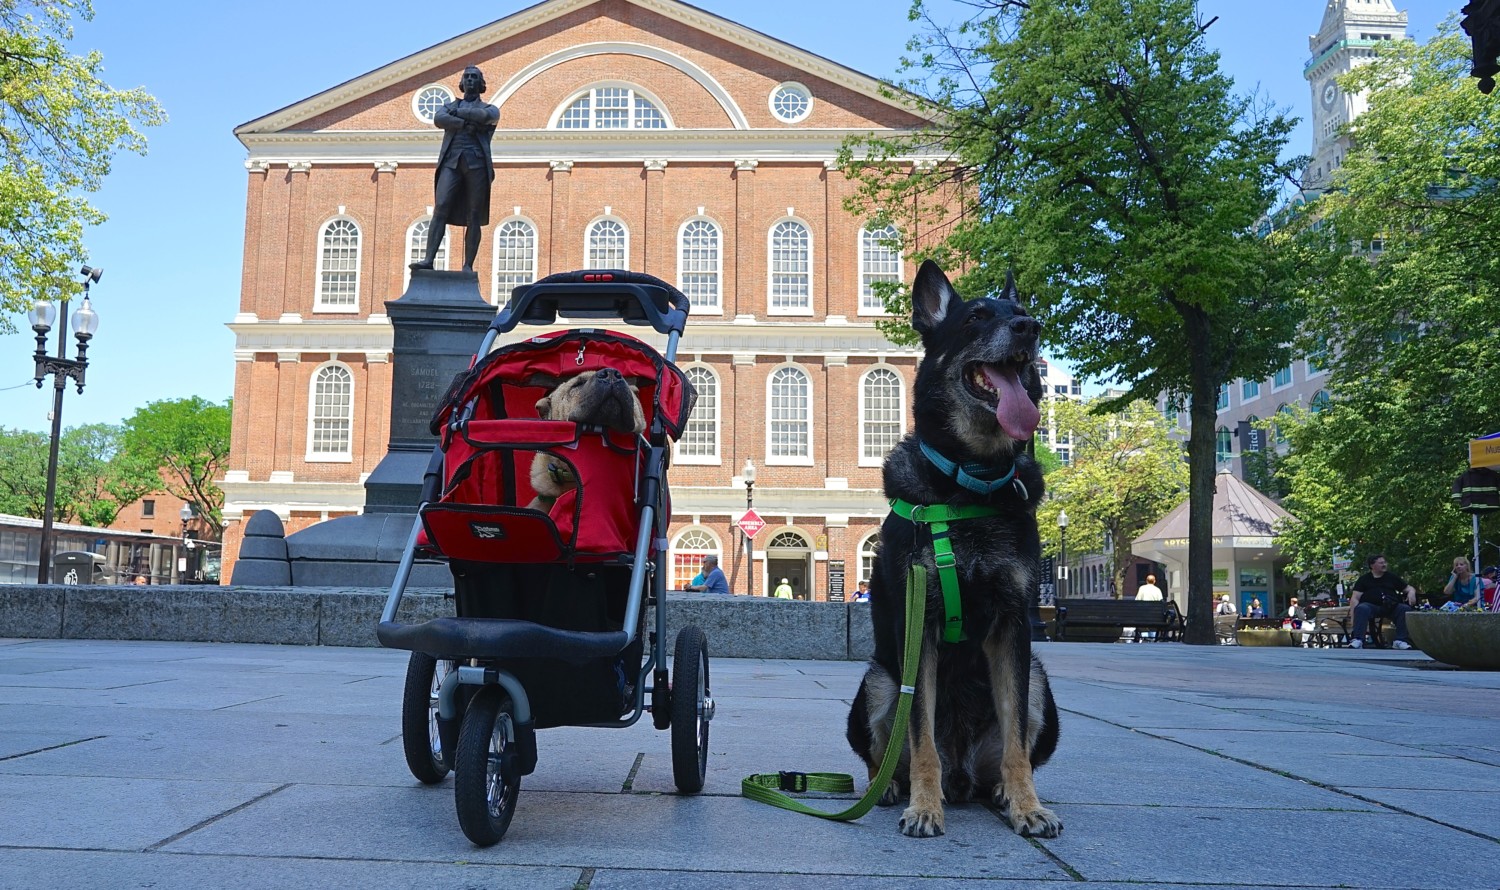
(607, 373)
(1025, 326)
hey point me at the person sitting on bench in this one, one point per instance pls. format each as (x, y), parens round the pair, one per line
(1378, 593)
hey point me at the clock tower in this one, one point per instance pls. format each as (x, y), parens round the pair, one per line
(1350, 32)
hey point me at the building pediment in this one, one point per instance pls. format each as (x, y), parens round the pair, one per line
(704, 55)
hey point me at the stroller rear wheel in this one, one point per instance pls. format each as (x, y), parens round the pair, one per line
(692, 709)
(486, 776)
(419, 709)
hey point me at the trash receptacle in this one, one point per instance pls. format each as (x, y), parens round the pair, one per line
(77, 567)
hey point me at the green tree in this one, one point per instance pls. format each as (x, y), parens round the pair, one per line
(182, 445)
(1407, 279)
(92, 485)
(1097, 149)
(60, 127)
(1126, 473)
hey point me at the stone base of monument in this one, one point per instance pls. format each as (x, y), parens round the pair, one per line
(437, 326)
(1465, 639)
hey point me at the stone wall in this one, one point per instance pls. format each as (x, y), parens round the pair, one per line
(737, 626)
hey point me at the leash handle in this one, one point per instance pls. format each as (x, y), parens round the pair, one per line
(767, 787)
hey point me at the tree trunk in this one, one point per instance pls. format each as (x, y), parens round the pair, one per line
(1202, 435)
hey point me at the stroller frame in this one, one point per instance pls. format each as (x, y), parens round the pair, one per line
(483, 688)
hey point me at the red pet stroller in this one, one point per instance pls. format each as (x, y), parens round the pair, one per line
(549, 625)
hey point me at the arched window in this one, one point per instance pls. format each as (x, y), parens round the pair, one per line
(416, 247)
(879, 261)
(700, 264)
(789, 426)
(515, 257)
(611, 108)
(1284, 420)
(791, 269)
(1320, 401)
(788, 540)
(330, 416)
(700, 438)
(338, 266)
(1223, 445)
(607, 246)
(881, 415)
(687, 555)
(867, 551)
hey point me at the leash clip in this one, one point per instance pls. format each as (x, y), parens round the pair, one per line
(792, 781)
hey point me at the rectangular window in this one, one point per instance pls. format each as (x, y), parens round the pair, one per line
(148, 508)
(879, 262)
(1250, 389)
(700, 437)
(791, 269)
(1223, 397)
(1283, 378)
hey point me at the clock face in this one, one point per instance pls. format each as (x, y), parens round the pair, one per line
(1330, 92)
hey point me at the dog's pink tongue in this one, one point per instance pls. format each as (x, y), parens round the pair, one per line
(1017, 413)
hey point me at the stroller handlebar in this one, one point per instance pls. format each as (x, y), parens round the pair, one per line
(632, 297)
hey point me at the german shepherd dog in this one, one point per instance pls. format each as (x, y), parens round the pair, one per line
(983, 716)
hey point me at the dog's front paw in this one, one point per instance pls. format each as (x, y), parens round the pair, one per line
(1039, 822)
(892, 795)
(917, 822)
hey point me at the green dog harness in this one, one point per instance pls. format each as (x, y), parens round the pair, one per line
(937, 517)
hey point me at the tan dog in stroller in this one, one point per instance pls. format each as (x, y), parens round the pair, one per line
(597, 398)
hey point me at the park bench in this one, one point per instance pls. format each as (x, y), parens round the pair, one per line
(1079, 616)
(1331, 626)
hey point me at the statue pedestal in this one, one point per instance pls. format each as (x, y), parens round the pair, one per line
(438, 325)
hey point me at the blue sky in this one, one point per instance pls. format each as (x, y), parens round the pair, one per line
(172, 247)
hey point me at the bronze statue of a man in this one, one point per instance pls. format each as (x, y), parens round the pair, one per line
(465, 169)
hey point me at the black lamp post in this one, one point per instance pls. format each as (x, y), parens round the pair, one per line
(85, 322)
(748, 474)
(1062, 557)
(186, 513)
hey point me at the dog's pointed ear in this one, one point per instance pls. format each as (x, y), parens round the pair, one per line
(1010, 292)
(544, 406)
(932, 298)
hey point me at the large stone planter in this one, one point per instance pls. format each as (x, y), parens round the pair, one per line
(1264, 636)
(1466, 639)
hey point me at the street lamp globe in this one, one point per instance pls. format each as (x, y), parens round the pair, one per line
(42, 314)
(748, 473)
(186, 513)
(85, 320)
(1062, 519)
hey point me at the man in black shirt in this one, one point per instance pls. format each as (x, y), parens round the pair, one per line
(1379, 593)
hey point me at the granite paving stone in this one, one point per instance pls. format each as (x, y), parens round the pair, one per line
(176, 765)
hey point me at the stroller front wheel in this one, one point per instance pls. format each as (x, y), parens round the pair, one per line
(419, 732)
(486, 775)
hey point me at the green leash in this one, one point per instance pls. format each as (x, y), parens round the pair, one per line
(768, 787)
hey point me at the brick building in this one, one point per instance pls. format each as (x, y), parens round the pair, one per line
(643, 134)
